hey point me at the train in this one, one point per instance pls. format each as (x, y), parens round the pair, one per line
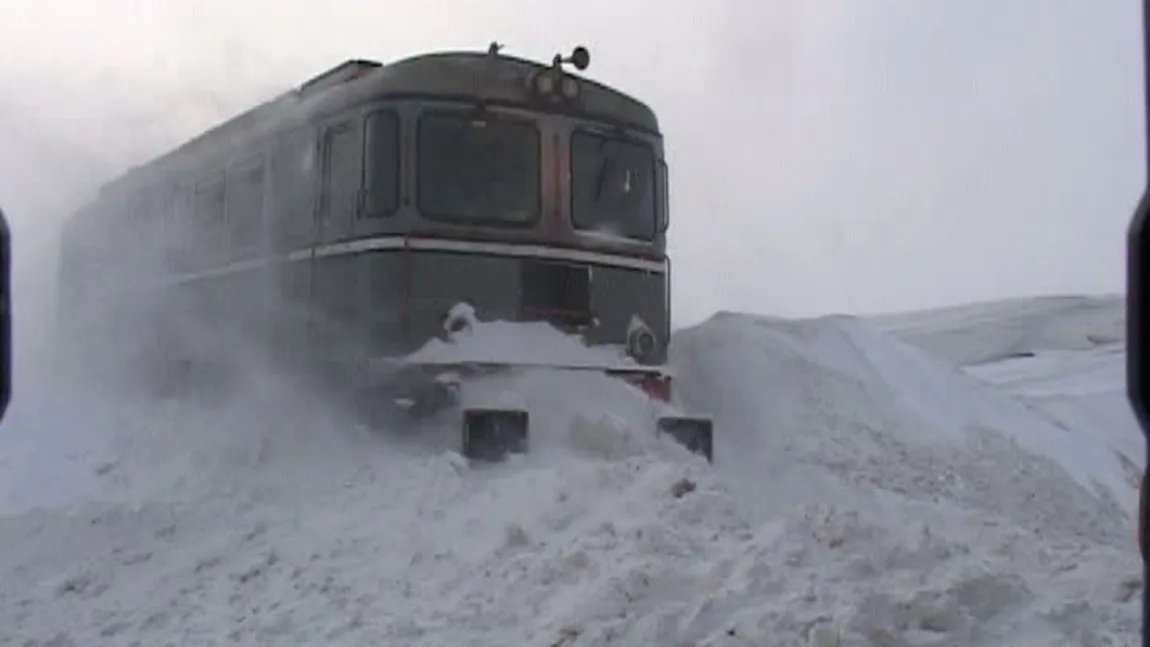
(337, 228)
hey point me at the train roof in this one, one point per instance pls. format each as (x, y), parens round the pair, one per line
(490, 76)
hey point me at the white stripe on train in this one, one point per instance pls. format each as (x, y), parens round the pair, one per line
(396, 243)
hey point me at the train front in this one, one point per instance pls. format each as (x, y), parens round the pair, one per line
(541, 199)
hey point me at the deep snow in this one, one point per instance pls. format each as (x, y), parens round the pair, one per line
(891, 482)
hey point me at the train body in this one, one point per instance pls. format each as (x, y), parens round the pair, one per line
(342, 221)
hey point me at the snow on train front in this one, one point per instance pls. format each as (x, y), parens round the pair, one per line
(462, 375)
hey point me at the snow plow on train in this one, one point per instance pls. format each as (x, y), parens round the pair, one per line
(441, 378)
(335, 229)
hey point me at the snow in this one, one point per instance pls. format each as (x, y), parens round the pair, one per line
(985, 332)
(872, 397)
(1063, 357)
(525, 343)
(1084, 391)
(882, 482)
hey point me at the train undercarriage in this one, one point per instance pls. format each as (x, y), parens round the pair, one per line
(489, 431)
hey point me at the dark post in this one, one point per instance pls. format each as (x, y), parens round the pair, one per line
(1137, 320)
(5, 315)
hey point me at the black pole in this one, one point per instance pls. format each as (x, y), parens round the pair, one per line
(5, 315)
(1137, 318)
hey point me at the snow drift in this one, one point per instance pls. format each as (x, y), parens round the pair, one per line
(985, 332)
(833, 398)
(865, 492)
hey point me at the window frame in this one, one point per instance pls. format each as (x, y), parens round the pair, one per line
(292, 191)
(396, 198)
(349, 125)
(618, 136)
(529, 121)
(234, 175)
(209, 233)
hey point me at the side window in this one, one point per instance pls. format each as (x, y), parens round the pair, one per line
(159, 232)
(292, 179)
(168, 233)
(381, 164)
(340, 174)
(208, 219)
(245, 198)
(142, 218)
(181, 233)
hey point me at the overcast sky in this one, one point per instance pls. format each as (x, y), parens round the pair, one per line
(827, 156)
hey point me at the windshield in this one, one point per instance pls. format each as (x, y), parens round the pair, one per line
(478, 170)
(613, 185)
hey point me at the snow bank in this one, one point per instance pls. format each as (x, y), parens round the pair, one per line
(834, 396)
(986, 332)
(66, 446)
(583, 553)
(1081, 391)
(863, 494)
(528, 343)
(49, 455)
(1063, 357)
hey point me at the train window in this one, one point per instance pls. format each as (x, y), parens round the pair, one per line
(208, 207)
(165, 219)
(480, 171)
(292, 185)
(245, 201)
(341, 173)
(142, 219)
(381, 164)
(179, 236)
(613, 185)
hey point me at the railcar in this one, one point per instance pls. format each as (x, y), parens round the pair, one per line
(334, 229)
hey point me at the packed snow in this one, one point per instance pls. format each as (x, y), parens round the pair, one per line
(522, 343)
(951, 479)
(987, 332)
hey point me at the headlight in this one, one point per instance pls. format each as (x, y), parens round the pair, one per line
(553, 84)
(544, 84)
(570, 87)
(641, 343)
(458, 319)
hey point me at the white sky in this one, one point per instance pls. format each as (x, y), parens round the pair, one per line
(827, 156)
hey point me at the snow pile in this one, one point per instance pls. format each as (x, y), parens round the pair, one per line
(525, 343)
(987, 332)
(836, 393)
(619, 552)
(1082, 391)
(1065, 358)
(95, 451)
(863, 493)
(50, 456)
